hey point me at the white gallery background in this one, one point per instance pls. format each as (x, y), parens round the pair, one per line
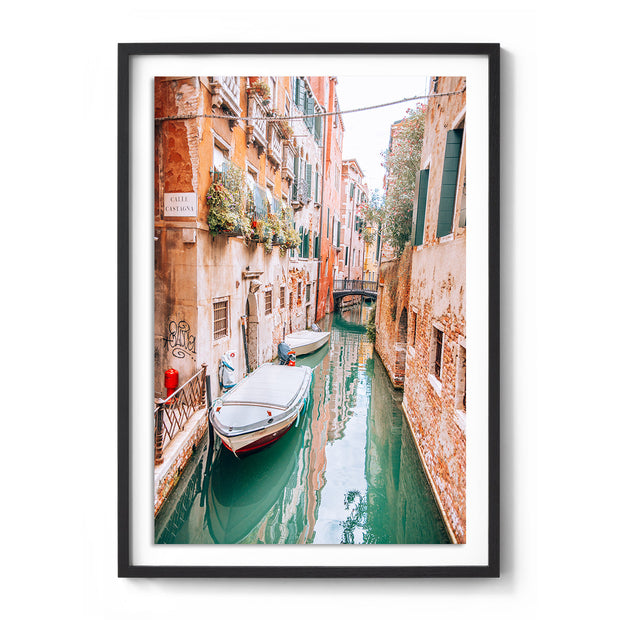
(559, 340)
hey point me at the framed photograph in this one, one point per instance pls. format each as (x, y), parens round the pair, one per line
(308, 318)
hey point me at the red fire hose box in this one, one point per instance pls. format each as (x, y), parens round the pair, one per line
(171, 381)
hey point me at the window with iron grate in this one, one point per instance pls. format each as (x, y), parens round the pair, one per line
(220, 319)
(268, 301)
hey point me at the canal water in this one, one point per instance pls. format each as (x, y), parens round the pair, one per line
(348, 473)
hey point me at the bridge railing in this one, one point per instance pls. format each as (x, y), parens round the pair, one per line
(172, 413)
(356, 285)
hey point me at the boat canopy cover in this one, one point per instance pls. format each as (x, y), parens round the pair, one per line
(270, 385)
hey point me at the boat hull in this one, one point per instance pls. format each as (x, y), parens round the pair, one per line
(261, 408)
(251, 442)
(306, 342)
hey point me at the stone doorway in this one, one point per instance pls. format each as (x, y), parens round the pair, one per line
(251, 312)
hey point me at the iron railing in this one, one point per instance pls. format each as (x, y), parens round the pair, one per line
(356, 285)
(172, 413)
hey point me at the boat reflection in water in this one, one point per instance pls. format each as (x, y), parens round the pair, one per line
(348, 472)
(241, 492)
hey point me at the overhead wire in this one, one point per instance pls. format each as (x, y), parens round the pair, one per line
(274, 119)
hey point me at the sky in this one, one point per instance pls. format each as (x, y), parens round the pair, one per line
(367, 134)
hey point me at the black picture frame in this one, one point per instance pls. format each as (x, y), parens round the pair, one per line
(128, 51)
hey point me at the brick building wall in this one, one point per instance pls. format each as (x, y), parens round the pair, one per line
(435, 345)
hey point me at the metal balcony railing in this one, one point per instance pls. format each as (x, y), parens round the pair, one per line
(172, 413)
(302, 191)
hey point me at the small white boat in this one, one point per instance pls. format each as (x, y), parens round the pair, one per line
(306, 341)
(261, 407)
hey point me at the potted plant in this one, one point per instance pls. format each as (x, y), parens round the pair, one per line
(224, 216)
(261, 88)
(275, 223)
(287, 130)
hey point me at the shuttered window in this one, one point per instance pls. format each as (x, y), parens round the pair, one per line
(419, 221)
(448, 182)
(346, 255)
(298, 91)
(318, 127)
(309, 178)
(327, 233)
(338, 236)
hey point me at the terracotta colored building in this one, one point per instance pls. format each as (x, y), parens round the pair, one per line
(354, 192)
(219, 286)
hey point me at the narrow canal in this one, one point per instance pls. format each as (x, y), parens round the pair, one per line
(348, 473)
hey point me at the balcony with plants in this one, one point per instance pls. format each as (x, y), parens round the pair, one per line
(227, 200)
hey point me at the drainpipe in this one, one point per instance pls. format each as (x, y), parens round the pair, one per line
(318, 279)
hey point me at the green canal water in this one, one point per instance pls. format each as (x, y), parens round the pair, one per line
(348, 473)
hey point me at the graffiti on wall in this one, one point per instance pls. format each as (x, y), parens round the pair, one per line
(179, 340)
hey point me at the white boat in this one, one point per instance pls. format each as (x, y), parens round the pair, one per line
(261, 407)
(306, 341)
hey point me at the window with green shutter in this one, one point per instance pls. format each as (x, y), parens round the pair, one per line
(318, 126)
(309, 178)
(421, 214)
(316, 186)
(346, 255)
(448, 182)
(351, 190)
(306, 245)
(327, 233)
(298, 91)
(338, 236)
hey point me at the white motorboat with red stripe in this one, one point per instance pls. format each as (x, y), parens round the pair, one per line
(306, 341)
(262, 407)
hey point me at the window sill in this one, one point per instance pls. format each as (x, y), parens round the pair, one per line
(435, 383)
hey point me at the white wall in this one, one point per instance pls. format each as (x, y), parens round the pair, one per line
(560, 341)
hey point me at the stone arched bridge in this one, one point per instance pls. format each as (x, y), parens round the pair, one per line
(363, 288)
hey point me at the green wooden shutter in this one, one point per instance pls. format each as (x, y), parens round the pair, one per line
(318, 123)
(352, 190)
(327, 233)
(297, 91)
(338, 236)
(316, 185)
(296, 175)
(419, 221)
(309, 177)
(346, 255)
(449, 181)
